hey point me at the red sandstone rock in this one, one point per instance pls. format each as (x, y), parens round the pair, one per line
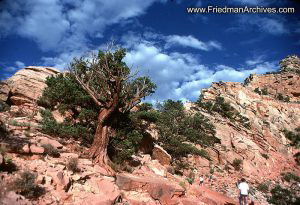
(159, 189)
(46, 140)
(161, 155)
(61, 181)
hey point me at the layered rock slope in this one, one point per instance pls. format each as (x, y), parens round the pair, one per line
(261, 146)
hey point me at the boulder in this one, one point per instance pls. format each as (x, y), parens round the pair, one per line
(26, 85)
(161, 155)
(46, 140)
(32, 149)
(61, 181)
(159, 189)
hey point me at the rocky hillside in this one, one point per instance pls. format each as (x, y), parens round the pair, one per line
(252, 145)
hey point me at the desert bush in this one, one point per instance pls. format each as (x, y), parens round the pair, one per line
(4, 107)
(50, 150)
(282, 196)
(283, 98)
(237, 164)
(264, 91)
(297, 158)
(26, 186)
(289, 176)
(257, 90)
(72, 164)
(263, 187)
(294, 137)
(266, 156)
(280, 96)
(8, 165)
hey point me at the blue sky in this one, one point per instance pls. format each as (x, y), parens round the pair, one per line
(181, 52)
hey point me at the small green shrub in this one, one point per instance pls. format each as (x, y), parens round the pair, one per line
(289, 176)
(26, 186)
(280, 97)
(294, 137)
(257, 90)
(13, 122)
(266, 156)
(237, 164)
(282, 196)
(4, 107)
(263, 187)
(50, 150)
(182, 184)
(283, 98)
(264, 91)
(8, 165)
(72, 165)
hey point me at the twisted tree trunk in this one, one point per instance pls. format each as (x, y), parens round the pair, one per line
(98, 151)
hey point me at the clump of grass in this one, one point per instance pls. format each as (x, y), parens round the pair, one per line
(25, 185)
(182, 184)
(50, 150)
(73, 165)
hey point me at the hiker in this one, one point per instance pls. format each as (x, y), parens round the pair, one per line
(201, 180)
(243, 192)
(210, 179)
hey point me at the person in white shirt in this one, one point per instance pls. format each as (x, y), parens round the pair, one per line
(243, 192)
(201, 180)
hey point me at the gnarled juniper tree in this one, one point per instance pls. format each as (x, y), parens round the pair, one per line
(108, 81)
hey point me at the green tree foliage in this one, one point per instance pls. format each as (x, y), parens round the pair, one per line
(65, 94)
(219, 106)
(224, 109)
(179, 130)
